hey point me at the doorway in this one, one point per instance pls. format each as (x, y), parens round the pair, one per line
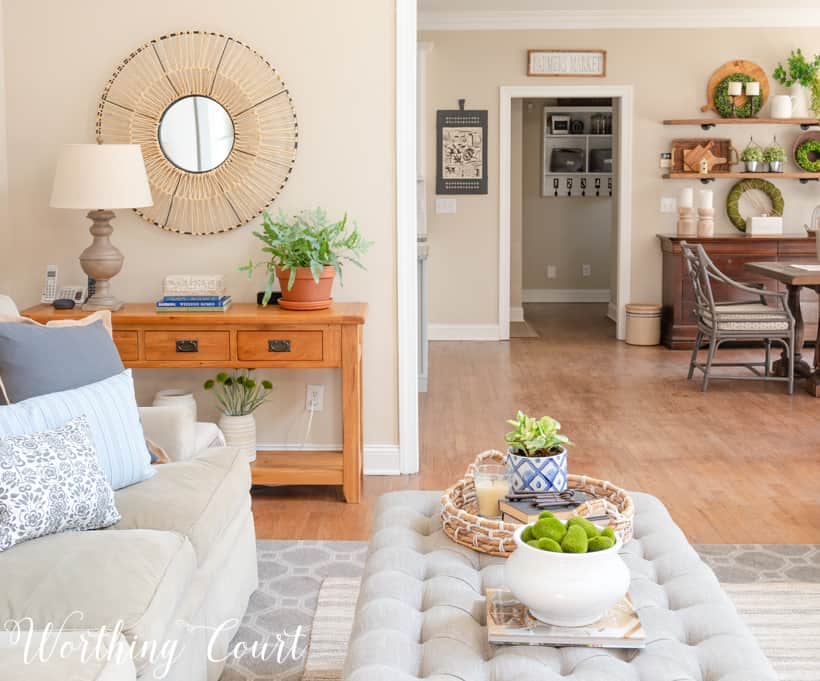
(621, 144)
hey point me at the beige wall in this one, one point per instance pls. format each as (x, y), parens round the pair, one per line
(338, 62)
(565, 232)
(669, 70)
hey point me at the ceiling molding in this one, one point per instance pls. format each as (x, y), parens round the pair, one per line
(783, 17)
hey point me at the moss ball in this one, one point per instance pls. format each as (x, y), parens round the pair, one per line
(589, 529)
(526, 534)
(545, 514)
(552, 528)
(608, 532)
(546, 544)
(600, 543)
(575, 540)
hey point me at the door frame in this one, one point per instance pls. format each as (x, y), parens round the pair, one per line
(625, 95)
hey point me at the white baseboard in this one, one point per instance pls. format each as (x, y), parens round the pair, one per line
(612, 312)
(462, 332)
(378, 459)
(516, 314)
(566, 295)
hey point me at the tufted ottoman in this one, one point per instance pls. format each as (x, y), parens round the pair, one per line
(421, 612)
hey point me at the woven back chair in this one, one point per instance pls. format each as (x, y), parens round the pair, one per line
(750, 320)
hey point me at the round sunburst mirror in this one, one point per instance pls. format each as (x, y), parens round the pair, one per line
(216, 125)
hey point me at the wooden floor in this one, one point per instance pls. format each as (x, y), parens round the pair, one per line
(740, 464)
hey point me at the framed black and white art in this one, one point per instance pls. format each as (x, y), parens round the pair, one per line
(461, 152)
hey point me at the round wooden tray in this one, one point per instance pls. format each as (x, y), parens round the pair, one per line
(461, 522)
(748, 68)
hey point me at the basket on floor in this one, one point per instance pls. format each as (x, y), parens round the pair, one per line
(461, 522)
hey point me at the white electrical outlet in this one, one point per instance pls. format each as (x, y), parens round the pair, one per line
(666, 160)
(315, 397)
(552, 272)
(445, 206)
(586, 270)
(669, 204)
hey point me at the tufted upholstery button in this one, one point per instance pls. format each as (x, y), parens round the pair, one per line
(421, 611)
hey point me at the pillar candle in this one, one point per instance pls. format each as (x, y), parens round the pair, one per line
(735, 88)
(687, 198)
(707, 198)
(753, 88)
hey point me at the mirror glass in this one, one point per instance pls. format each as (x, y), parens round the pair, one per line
(196, 133)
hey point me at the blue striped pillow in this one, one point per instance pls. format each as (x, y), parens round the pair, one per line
(111, 409)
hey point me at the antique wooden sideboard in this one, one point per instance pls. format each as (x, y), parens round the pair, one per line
(730, 253)
(255, 337)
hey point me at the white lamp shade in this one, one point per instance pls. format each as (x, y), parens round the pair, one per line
(100, 177)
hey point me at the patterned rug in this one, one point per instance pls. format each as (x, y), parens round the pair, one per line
(291, 575)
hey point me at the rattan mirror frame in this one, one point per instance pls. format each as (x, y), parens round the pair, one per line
(186, 63)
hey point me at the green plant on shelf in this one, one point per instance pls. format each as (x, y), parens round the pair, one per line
(801, 71)
(774, 153)
(752, 152)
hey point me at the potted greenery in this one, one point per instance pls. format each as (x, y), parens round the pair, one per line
(305, 252)
(775, 156)
(536, 455)
(752, 156)
(239, 395)
(802, 77)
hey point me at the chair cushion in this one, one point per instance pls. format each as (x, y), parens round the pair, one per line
(86, 580)
(197, 498)
(749, 317)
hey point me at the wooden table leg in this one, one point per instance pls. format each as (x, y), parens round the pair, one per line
(802, 369)
(813, 381)
(352, 412)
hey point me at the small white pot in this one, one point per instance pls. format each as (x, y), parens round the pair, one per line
(240, 432)
(537, 473)
(566, 589)
(176, 397)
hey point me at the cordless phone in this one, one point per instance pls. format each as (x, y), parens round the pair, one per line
(50, 285)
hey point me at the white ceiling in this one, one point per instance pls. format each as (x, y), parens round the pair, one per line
(472, 6)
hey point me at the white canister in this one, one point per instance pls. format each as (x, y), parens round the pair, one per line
(176, 397)
(781, 106)
(240, 432)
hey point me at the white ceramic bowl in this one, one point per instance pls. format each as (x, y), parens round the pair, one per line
(566, 589)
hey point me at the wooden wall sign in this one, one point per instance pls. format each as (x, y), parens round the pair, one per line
(557, 63)
(461, 152)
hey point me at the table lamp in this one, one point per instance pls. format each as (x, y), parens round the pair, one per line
(100, 178)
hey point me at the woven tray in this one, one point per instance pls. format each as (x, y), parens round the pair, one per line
(461, 522)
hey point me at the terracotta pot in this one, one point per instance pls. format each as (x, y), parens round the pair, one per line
(306, 294)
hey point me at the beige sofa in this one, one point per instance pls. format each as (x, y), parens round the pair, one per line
(177, 572)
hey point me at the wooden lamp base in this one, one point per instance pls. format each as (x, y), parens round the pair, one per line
(102, 261)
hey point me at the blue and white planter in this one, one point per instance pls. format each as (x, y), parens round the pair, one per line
(537, 473)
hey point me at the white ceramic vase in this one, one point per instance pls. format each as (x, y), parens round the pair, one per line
(240, 432)
(800, 101)
(566, 589)
(176, 397)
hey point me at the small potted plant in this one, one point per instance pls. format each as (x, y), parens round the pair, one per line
(802, 76)
(239, 395)
(775, 156)
(536, 454)
(752, 156)
(305, 252)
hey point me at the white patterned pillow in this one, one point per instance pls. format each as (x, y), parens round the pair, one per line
(51, 482)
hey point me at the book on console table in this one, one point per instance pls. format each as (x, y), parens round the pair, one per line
(185, 307)
(509, 622)
(209, 302)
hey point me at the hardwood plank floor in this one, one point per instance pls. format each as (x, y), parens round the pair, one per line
(739, 464)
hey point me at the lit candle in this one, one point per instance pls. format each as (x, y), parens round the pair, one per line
(687, 198)
(707, 198)
(735, 88)
(753, 88)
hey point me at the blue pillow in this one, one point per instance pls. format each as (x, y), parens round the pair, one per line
(111, 409)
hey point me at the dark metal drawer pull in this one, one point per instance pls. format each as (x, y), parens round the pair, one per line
(187, 346)
(278, 345)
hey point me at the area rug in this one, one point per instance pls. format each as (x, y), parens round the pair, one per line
(776, 588)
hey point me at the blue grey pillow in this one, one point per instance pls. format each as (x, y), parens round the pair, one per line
(37, 360)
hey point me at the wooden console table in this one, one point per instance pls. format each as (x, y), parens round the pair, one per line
(248, 336)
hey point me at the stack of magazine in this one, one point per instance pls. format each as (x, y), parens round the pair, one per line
(193, 303)
(510, 622)
(193, 293)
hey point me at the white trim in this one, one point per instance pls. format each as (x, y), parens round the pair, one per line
(406, 234)
(378, 459)
(612, 312)
(517, 314)
(565, 295)
(464, 332)
(573, 19)
(623, 93)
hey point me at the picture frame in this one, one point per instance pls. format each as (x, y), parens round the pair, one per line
(566, 63)
(461, 151)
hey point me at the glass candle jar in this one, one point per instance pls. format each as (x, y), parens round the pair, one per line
(491, 486)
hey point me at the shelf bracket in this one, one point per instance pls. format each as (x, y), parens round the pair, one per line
(707, 126)
(806, 180)
(805, 126)
(706, 180)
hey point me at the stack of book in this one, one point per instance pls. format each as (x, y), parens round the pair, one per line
(193, 293)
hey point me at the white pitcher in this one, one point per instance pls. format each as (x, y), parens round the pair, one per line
(800, 101)
(781, 106)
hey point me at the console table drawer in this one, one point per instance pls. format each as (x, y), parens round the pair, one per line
(280, 346)
(187, 346)
(127, 343)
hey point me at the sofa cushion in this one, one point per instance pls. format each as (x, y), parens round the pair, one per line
(87, 580)
(197, 498)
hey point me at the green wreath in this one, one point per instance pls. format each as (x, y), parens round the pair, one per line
(723, 102)
(808, 156)
(743, 186)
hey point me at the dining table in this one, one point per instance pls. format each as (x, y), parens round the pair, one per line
(795, 277)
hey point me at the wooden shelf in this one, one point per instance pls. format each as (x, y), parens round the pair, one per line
(297, 468)
(707, 123)
(802, 177)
